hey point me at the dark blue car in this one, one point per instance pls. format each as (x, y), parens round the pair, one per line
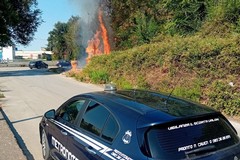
(136, 124)
(37, 64)
(64, 64)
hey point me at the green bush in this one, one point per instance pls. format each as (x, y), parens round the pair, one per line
(190, 90)
(122, 83)
(1, 95)
(99, 76)
(225, 98)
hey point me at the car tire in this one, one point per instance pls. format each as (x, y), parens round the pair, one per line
(45, 147)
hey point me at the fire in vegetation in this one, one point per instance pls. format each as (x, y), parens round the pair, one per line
(99, 44)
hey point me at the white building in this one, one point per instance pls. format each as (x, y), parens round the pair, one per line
(7, 53)
(32, 54)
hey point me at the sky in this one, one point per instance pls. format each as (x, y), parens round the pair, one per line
(54, 11)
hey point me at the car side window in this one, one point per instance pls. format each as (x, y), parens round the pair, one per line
(69, 113)
(94, 118)
(98, 120)
(110, 130)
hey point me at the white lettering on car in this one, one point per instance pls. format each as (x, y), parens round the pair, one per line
(63, 150)
(184, 148)
(119, 155)
(192, 124)
(201, 144)
(204, 143)
(93, 143)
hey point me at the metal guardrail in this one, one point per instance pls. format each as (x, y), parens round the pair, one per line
(3, 61)
(22, 63)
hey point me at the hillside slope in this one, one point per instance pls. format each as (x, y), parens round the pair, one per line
(203, 69)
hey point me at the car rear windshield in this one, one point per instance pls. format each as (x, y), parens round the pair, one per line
(190, 138)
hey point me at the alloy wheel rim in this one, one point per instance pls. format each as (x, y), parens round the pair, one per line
(43, 145)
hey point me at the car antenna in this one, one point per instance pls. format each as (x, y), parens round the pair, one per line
(170, 94)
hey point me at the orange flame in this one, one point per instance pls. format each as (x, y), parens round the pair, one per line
(104, 33)
(95, 47)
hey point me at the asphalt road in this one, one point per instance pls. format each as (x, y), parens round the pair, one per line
(30, 93)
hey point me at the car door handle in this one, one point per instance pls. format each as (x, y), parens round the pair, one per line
(90, 150)
(64, 133)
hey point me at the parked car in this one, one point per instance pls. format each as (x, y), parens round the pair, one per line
(37, 64)
(63, 64)
(136, 124)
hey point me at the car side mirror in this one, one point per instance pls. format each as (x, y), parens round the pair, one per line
(50, 114)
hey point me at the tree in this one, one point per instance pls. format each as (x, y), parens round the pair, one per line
(73, 37)
(56, 40)
(187, 15)
(134, 22)
(65, 40)
(18, 21)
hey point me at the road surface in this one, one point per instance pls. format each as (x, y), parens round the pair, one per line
(30, 93)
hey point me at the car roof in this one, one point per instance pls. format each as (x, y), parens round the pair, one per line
(146, 102)
(34, 61)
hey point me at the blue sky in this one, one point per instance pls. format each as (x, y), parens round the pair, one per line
(52, 12)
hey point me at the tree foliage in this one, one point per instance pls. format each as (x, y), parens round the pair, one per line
(73, 37)
(136, 22)
(56, 40)
(64, 39)
(18, 21)
(187, 14)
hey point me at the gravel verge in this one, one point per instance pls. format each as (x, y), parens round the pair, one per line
(9, 147)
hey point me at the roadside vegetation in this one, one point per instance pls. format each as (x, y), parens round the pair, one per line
(205, 70)
(190, 47)
(1, 94)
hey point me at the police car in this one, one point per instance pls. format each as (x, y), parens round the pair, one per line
(136, 124)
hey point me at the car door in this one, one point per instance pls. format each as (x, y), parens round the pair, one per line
(92, 138)
(62, 128)
(56, 139)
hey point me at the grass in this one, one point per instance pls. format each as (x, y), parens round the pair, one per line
(1, 95)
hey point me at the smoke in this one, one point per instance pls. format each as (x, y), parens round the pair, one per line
(87, 8)
(89, 22)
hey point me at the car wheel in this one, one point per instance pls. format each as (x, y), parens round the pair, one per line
(45, 147)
